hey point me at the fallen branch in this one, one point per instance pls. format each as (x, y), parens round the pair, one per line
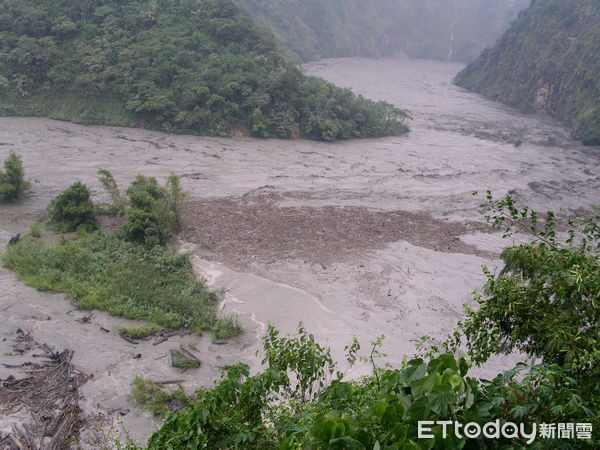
(160, 340)
(128, 339)
(169, 382)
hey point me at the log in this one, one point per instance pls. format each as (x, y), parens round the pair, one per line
(168, 382)
(128, 339)
(160, 340)
(189, 354)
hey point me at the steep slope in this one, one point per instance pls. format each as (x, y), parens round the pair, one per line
(437, 29)
(548, 60)
(193, 66)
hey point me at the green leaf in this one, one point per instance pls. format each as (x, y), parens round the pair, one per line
(420, 409)
(453, 379)
(425, 385)
(377, 410)
(440, 398)
(415, 371)
(470, 397)
(464, 366)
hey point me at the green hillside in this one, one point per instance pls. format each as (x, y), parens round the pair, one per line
(548, 60)
(457, 30)
(193, 66)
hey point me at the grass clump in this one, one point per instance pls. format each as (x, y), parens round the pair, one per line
(155, 399)
(226, 328)
(35, 229)
(104, 271)
(182, 361)
(140, 332)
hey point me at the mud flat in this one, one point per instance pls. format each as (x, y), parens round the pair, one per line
(363, 237)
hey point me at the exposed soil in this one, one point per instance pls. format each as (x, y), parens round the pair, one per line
(255, 228)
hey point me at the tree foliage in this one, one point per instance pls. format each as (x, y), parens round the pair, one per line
(265, 410)
(155, 212)
(73, 208)
(193, 66)
(12, 179)
(545, 302)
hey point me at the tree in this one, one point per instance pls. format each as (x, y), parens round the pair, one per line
(73, 209)
(12, 180)
(156, 212)
(545, 302)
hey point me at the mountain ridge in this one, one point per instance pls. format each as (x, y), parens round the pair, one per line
(456, 30)
(548, 60)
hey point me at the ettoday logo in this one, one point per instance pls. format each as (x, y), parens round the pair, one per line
(508, 430)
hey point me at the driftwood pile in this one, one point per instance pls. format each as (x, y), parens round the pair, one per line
(49, 393)
(255, 229)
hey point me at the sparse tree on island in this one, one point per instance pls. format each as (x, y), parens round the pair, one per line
(12, 179)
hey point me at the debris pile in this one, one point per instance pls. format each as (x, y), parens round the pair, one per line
(256, 229)
(49, 394)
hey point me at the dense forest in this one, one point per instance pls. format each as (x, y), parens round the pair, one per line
(193, 66)
(456, 30)
(548, 60)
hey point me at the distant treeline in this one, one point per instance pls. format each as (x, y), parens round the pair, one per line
(548, 60)
(193, 66)
(456, 30)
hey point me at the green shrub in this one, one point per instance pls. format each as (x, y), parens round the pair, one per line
(73, 209)
(182, 361)
(226, 327)
(156, 212)
(176, 198)
(545, 302)
(12, 179)
(150, 221)
(148, 227)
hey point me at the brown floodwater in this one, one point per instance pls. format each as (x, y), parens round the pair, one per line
(411, 283)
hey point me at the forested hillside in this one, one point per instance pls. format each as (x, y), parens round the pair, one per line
(548, 60)
(437, 29)
(194, 66)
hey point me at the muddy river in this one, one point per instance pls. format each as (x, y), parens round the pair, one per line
(365, 237)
